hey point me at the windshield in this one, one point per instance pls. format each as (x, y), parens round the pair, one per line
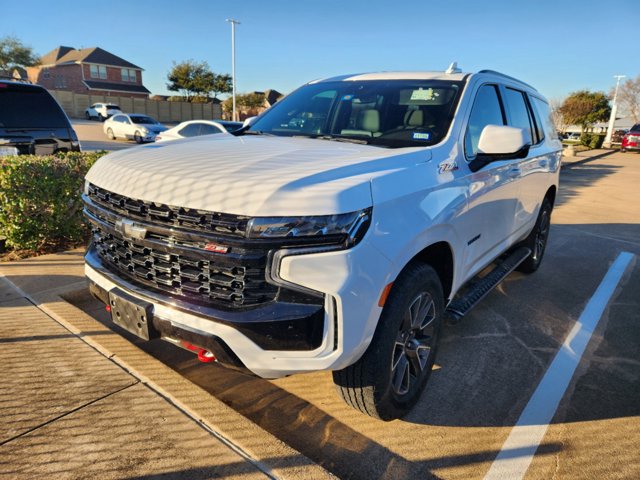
(142, 119)
(387, 113)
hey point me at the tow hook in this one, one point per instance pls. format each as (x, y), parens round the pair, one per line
(206, 356)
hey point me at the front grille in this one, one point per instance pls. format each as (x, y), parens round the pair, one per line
(204, 279)
(170, 216)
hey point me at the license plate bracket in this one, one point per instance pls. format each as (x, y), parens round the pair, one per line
(132, 314)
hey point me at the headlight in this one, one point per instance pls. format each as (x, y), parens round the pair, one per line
(349, 227)
(144, 131)
(86, 186)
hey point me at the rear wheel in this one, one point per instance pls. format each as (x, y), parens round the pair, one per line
(110, 134)
(388, 379)
(537, 239)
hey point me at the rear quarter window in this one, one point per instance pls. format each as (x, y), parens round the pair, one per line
(543, 116)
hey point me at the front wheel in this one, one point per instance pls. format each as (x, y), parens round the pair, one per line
(137, 137)
(388, 379)
(110, 134)
(537, 239)
(87, 116)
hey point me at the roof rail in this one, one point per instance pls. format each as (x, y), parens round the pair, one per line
(493, 72)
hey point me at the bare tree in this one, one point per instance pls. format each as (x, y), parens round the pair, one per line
(556, 115)
(629, 98)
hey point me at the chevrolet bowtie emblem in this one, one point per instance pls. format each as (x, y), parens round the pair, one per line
(130, 229)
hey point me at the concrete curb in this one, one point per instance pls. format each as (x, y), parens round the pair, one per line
(270, 455)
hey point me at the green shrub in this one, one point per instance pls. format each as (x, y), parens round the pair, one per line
(40, 205)
(585, 139)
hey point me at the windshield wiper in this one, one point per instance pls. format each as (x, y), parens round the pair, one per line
(245, 131)
(333, 138)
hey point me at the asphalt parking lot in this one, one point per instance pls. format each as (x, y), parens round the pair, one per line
(92, 137)
(490, 365)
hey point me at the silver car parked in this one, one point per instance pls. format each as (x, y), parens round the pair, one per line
(132, 126)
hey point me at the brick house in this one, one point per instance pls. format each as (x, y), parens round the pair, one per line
(88, 70)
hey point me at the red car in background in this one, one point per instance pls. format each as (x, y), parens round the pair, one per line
(631, 139)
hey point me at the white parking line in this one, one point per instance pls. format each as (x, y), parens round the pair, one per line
(534, 420)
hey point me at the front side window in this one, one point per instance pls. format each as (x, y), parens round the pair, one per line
(385, 113)
(487, 110)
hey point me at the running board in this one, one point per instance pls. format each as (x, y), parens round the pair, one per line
(459, 307)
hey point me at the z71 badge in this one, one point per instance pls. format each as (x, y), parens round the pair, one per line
(447, 166)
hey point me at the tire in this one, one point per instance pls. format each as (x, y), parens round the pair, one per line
(623, 150)
(101, 118)
(87, 116)
(537, 239)
(388, 379)
(110, 134)
(137, 137)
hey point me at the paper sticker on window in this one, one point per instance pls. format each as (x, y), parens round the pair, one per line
(421, 136)
(427, 94)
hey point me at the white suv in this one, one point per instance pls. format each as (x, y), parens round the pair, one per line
(101, 111)
(335, 232)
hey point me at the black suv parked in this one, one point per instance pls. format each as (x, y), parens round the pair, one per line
(31, 121)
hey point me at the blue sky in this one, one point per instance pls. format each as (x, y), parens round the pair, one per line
(558, 46)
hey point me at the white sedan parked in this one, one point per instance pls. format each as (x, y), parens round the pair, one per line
(132, 126)
(195, 128)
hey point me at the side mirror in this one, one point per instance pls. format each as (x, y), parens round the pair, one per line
(249, 121)
(500, 142)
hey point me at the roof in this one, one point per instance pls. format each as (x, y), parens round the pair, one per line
(394, 76)
(65, 55)
(54, 55)
(116, 87)
(456, 76)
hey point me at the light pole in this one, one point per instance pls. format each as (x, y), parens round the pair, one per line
(233, 62)
(614, 110)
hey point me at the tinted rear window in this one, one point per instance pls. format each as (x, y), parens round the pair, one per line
(29, 108)
(113, 107)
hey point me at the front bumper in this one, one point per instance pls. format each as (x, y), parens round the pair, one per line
(274, 341)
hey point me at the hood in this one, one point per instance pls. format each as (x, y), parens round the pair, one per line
(153, 127)
(252, 175)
